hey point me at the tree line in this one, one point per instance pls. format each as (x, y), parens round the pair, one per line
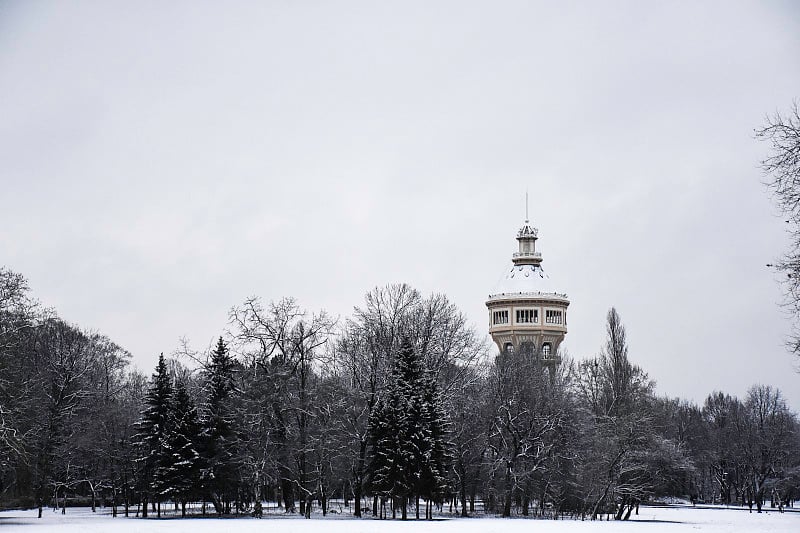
(400, 408)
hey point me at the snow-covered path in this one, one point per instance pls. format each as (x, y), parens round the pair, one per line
(650, 520)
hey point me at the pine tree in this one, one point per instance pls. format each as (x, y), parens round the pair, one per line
(435, 451)
(182, 464)
(150, 439)
(407, 433)
(219, 449)
(387, 431)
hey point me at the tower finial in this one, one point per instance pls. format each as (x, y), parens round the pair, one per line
(526, 206)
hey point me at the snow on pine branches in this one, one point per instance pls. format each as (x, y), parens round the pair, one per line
(407, 432)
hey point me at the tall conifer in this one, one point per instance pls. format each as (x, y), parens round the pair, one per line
(151, 436)
(407, 433)
(220, 440)
(182, 463)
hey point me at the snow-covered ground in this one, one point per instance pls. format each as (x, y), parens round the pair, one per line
(672, 519)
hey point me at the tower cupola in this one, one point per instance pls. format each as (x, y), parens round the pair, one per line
(527, 254)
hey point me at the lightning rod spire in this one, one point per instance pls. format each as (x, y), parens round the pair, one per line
(526, 206)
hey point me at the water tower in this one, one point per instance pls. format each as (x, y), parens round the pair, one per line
(526, 314)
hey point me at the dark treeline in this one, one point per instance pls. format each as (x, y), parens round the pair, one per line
(401, 408)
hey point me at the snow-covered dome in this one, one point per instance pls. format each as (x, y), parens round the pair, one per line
(523, 279)
(525, 275)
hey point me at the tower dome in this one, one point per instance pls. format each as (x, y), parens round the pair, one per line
(526, 313)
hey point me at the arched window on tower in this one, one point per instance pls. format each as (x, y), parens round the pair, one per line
(508, 348)
(527, 349)
(546, 350)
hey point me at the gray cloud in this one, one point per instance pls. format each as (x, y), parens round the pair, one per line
(161, 163)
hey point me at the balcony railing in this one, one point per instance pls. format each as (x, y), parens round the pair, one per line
(526, 254)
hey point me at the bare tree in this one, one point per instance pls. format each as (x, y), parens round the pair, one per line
(782, 171)
(61, 357)
(617, 393)
(768, 438)
(523, 428)
(471, 421)
(441, 335)
(363, 356)
(104, 428)
(17, 314)
(725, 418)
(282, 344)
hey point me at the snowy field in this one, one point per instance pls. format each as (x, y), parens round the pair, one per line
(673, 519)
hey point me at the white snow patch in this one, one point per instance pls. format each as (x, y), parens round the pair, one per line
(668, 519)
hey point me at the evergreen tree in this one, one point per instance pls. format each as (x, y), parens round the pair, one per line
(220, 440)
(388, 467)
(407, 432)
(181, 464)
(435, 456)
(151, 437)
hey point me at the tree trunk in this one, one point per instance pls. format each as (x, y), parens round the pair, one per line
(620, 509)
(509, 488)
(288, 494)
(630, 508)
(417, 506)
(463, 500)
(357, 478)
(507, 504)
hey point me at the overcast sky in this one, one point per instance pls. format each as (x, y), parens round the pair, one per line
(162, 161)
